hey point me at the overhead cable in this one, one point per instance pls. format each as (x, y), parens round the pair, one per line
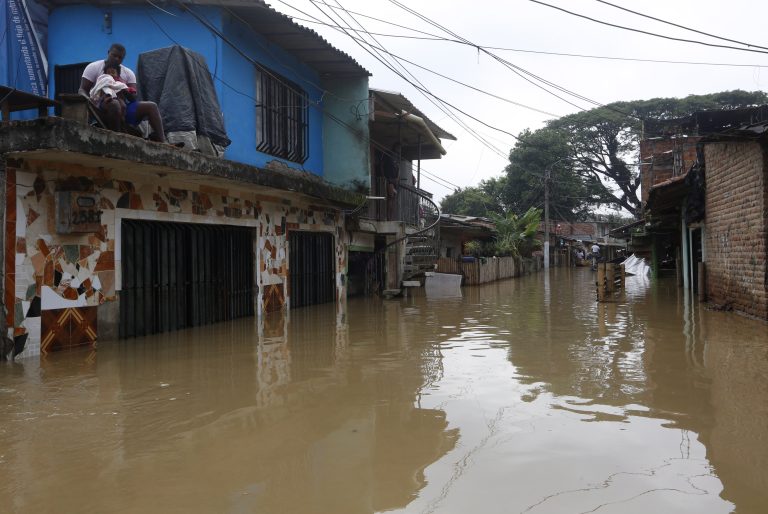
(714, 45)
(516, 69)
(440, 105)
(434, 37)
(330, 115)
(429, 70)
(682, 26)
(419, 86)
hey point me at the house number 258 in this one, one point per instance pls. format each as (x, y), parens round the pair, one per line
(83, 217)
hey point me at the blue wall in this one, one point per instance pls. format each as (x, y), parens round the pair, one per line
(240, 76)
(78, 34)
(345, 134)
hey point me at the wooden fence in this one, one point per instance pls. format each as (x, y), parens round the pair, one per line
(488, 269)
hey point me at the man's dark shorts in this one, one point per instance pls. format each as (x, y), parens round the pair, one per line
(130, 113)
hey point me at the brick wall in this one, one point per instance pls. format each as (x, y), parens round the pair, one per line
(736, 226)
(567, 228)
(659, 165)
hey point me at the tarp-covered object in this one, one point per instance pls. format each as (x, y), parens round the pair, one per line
(179, 82)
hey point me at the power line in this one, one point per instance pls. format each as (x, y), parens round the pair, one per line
(354, 131)
(429, 70)
(430, 174)
(681, 26)
(441, 107)
(633, 59)
(514, 68)
(647, 32)
(420, 87)
(434, 37)
(466, 41)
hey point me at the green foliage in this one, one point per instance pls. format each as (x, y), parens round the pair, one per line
(472, 248)
(517, 234)
(600, 148)
(485, 199)
(570, 197)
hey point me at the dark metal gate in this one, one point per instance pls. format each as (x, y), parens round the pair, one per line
(178, 275)
(311, 268)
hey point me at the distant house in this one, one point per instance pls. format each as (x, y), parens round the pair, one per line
(709, 217)
(107, 235)
(457, 230)
(396, 236)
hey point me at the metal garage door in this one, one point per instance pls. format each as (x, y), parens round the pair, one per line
(311, 268)
(178, 275)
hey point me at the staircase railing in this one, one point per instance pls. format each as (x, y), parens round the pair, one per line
(422, 246)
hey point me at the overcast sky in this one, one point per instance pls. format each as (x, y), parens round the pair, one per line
(524, 25)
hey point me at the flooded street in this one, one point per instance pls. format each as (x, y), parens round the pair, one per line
(524, 396)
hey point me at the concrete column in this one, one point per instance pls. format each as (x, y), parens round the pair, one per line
(2, 240)
(686, 254)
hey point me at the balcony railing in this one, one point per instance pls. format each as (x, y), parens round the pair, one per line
(405, 206)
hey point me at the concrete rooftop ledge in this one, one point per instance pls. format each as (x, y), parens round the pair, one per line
(69, 137)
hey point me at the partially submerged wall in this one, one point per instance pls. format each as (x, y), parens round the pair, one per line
(736, 226)
(489, 269)
(51, 276)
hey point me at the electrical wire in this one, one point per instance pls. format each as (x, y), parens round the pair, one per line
(466, 41)
(473, 132)
(456, 81)
(681, 26)
(418, 85)
(693, 41)
(281, 63)
(422, 89)
(433, 178)
(434, 37)
(632, 59)
(503, 61)
(516, 69)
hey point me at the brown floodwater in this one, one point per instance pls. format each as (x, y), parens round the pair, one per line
(524, 396)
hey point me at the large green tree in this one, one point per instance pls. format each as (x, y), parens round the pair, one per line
(601, 145)
(485, 199)
(570, 195)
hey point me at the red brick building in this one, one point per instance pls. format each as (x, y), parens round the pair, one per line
(705, 192)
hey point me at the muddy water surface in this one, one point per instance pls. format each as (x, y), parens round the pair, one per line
(524, 396)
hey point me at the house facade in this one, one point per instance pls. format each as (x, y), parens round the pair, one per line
(708, 221)
(107, 235)
(396, 236)
(259, 60)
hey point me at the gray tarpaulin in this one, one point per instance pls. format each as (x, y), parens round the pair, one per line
(178, 80)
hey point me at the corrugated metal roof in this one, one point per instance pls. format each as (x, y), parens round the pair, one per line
(304, 43)
(401, 103)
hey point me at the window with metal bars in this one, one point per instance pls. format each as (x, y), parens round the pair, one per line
(281, 117)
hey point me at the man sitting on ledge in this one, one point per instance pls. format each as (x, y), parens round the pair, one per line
(112, 112)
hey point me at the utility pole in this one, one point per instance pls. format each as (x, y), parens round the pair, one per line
(546, 218)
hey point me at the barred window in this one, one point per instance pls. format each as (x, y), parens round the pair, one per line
(281, 117)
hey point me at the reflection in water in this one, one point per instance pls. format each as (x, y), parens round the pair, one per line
(272, 416)
(523, 396)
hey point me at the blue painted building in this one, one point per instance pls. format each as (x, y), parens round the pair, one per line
(138, 222)
(249, 49)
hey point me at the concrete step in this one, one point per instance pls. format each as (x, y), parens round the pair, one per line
(391, 293)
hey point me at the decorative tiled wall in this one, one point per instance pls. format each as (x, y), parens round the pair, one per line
(75, 273)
